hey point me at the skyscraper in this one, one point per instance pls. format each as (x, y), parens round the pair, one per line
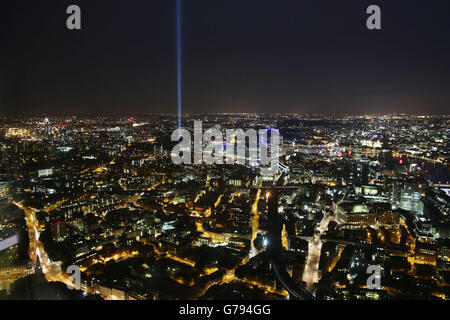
(47, 125)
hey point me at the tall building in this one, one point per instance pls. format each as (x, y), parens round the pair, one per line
(47, 125)
(358, 173)
(3, 190)
(386, 159)
(59, 231)
(410, 198)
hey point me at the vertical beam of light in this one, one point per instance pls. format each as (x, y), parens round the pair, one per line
(179, 61)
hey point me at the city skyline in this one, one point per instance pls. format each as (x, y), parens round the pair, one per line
(354, 208)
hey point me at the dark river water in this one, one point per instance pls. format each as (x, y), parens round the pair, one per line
(438, 172)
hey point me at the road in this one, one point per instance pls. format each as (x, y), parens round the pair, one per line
(311, 272)
(255, 223)
(51, 270)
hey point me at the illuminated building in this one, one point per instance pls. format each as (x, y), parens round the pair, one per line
(47, 125)
(355, 214)
(59, 231)
(3, 190)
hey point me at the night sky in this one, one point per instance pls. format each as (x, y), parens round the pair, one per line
(298, 56)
